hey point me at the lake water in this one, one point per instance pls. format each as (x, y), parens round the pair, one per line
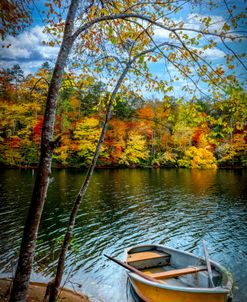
(177, 208)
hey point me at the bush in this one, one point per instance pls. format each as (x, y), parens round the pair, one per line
(198, 158)
(167, 159)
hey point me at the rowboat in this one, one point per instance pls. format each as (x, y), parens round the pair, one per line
(170, 275)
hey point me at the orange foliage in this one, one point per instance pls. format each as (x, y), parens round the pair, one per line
(37, 129)
(146, 113)
(168, 133)
(196, 137)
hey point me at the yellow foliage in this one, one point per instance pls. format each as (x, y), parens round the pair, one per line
(135, 149)
(203, 141)
(198, 158)
(87, 133)
(236, 150)
(61, 153)
(75, 102)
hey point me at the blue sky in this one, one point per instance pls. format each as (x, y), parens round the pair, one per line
(28, 51)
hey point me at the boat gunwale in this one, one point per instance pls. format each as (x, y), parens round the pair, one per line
(226, 289)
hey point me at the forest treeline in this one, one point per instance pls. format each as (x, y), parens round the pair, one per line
(198, 133)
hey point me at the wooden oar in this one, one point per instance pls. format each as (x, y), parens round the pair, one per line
(162, 275)
(210, 275)
(133, 269)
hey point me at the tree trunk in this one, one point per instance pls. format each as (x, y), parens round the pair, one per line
(25, 261)
(69, 232)
(54, 286)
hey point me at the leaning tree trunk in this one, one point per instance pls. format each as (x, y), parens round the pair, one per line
(25, 261)
(52, 290)
(54, 287)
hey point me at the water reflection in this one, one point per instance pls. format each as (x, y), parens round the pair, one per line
(178, 208)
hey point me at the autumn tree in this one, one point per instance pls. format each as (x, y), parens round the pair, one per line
(15, 16)
(91, 98)
(18, 117)
(135, 150)
(10, 79)
(229, 127)
(130, 46)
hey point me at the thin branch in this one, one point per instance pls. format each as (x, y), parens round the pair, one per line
(165, 56)
(72, 219)
(115, 17)
(185, 75)
(110, 56)
(156, 3)
(138, 16)
(34, 86)
(230, 13)
(234, 53)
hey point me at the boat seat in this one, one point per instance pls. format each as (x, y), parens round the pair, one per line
(148, 259)
(178, 272)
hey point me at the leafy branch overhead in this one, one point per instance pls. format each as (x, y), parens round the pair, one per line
(111, 29)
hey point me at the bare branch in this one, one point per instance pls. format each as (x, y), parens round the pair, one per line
(34, 86)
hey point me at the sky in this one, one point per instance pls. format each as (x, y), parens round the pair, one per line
(28, 50)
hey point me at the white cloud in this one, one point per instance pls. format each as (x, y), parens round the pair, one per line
(216, 22)
(193, 22)
(161, 33)
(15, 53)
(49, 52)
(213, 53)
(28, 50)
(210, 53)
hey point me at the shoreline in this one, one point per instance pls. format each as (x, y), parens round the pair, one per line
(56, 167)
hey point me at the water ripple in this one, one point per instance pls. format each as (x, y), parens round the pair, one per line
(122, 208)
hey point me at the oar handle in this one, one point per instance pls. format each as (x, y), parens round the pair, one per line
(210, 275)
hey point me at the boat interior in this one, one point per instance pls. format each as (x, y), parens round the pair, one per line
(172, 267)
